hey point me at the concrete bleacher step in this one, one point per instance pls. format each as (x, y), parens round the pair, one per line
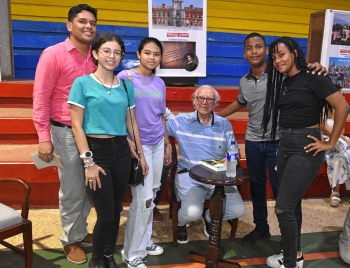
(15, 162)
(16, 94)
(18, 139)
(16, 126)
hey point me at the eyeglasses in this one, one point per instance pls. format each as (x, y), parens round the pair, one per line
(108, 53)
(201, 99)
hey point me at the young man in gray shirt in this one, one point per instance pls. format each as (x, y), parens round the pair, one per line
(260, 149)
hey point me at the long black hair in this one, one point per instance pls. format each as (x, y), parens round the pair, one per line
(148, 40)
(275, 79)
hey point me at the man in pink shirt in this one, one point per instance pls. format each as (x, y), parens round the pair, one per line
(58, 66)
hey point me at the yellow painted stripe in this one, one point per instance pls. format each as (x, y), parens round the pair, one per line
(273, 17)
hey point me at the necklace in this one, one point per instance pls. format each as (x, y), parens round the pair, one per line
(106, 88)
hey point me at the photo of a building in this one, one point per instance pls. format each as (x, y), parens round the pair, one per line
(177, 14)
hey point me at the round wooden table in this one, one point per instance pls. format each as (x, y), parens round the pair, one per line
(219, 179)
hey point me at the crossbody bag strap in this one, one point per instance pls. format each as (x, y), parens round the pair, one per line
(132, 125)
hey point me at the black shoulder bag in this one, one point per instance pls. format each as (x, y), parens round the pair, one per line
(136, 176)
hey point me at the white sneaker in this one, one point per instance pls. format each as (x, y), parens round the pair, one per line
(136, 263)
(151, 250)
(154, 250)
(276, 261)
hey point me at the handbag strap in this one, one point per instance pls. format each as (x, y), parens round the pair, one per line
(132, 125)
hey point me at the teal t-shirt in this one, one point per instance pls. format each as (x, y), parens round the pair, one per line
(104, 114)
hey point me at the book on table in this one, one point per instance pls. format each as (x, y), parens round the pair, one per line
(213, 164)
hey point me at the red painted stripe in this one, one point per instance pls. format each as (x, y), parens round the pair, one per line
(255, 261)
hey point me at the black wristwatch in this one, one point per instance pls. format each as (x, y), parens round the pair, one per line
(87, 154)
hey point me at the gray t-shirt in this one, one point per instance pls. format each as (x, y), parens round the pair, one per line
(252, 92)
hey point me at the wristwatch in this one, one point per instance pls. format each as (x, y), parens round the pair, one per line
(86, 154)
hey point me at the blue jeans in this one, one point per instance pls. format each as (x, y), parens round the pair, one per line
(261, 155)
(296, 170)
(113, 155)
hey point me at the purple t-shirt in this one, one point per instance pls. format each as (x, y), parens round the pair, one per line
(150, 105)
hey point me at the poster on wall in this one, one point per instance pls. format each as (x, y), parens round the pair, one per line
(336, 47)
(181, 26)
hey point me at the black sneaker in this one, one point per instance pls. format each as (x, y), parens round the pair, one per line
(206, 225)
(254, 235)
(182, 235)
(100, 264)
(110, 262)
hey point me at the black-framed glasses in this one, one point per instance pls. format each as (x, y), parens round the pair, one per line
(209, 100)
(108, 53)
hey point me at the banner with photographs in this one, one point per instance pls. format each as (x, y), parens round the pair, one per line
(336, 47)
(181, 26)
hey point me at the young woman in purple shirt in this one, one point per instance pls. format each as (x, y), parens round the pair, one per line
(150, 108)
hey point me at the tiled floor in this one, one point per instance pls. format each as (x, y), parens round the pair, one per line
(318, 217)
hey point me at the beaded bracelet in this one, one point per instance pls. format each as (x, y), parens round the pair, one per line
(88, 160)
(90, 165)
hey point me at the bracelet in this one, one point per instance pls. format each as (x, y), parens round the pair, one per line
(88, 160)
(346, 138)
(90, 165)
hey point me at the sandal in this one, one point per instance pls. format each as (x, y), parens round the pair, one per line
(335, 199)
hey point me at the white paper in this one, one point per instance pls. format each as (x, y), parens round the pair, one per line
(56, 161)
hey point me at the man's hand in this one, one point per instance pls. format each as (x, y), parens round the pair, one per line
(45, 151)
(317, 68)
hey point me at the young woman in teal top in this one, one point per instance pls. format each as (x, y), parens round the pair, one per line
(100, 120)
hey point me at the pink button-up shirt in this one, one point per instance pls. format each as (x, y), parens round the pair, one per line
(57, 68)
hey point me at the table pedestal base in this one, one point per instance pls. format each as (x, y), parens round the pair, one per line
(211, 257)
(199, 257)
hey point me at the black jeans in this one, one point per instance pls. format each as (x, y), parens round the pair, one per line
(113, 155)
(296, 169)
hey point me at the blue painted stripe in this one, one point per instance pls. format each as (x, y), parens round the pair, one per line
(225, 62)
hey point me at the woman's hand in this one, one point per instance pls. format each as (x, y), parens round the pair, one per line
(167, 156)
(92, 177)
(144, 167)
(318, 145)
(132, 146)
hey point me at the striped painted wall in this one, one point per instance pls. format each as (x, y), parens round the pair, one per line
(37, 24)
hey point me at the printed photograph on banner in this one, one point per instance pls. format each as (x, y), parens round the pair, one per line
(179, 55)
(175, 14)
(181, 27)
(339, 71)
(341, 29)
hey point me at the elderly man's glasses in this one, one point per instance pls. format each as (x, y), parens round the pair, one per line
(201, 99)
(108, 53)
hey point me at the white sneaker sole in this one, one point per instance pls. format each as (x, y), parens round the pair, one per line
(155, 253)
(182, 242)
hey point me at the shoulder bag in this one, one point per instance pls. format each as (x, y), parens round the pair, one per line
(136, 176)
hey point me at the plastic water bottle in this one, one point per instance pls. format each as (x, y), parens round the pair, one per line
(231, 159)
